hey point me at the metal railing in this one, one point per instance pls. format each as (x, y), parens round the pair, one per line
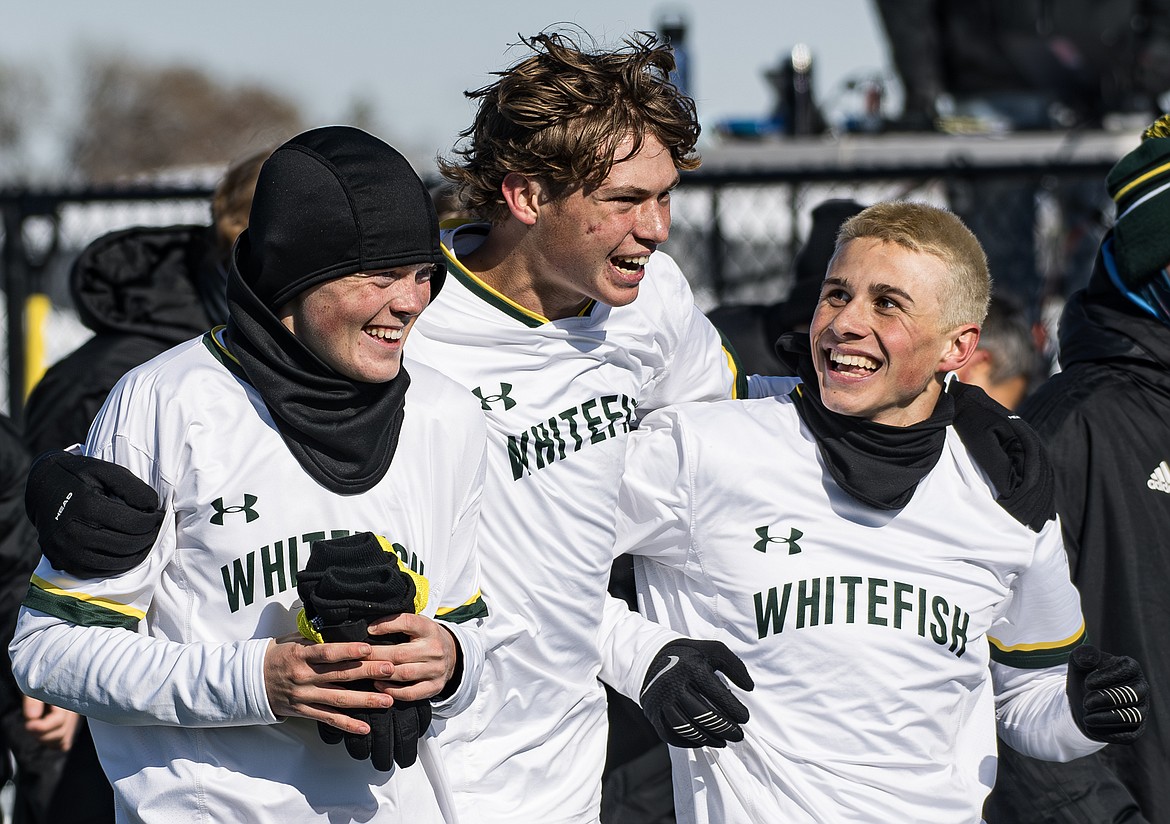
(1037, 203)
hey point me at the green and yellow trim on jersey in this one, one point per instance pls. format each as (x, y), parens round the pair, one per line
(1036, 656)
(422, 592)
(497, 299)
(740, 387)
(213, 341)
(474, 607)
(80, 608)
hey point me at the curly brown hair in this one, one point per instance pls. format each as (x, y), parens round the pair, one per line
(560, 114)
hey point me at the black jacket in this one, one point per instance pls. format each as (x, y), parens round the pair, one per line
(18, 550)
(137, 289)
(1106, 421)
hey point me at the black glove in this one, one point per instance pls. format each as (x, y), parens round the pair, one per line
(1109, 695)
(93, 518)
(686, 702)
(346, 583)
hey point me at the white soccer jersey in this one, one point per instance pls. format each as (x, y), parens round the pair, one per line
(883, 644)
(560, 398)
(167, 659)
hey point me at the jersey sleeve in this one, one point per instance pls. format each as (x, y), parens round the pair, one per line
(654, 497)
(78, 646)
(125, 678)
(698, 365)
(79, 643)
(653, 520)
(464, 609)
(629, 641)
(1033, 716)
(1030, 648)
(1042, 624)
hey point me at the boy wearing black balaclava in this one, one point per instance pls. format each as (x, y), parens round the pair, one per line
(294, 443)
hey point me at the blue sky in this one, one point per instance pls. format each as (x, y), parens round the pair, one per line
(413, 60)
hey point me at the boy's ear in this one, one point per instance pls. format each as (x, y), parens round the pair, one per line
(961, 347)
(524, 195)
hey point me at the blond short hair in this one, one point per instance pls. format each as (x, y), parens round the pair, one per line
(931, 230)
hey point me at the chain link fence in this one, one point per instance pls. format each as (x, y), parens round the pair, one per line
(1039, 219)
(737, 224)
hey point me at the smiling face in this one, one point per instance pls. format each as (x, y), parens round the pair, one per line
(358, 324)
(593, 244)
(878, 341)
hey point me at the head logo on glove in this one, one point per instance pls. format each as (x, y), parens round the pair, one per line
(93, 518)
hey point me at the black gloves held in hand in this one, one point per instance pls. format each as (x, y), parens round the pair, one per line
(686, 701)
(353, 577)
(93, 518)
(346, 583)
(394, 732)
(1109, 695)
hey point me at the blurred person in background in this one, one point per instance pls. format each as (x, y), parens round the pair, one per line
(752, 329)
(36, 735)
(1031, 65)
(1104, 418)
(141, 290)
(1006, 363)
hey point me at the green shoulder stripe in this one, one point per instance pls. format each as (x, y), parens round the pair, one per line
(500, 301)
(736, 366)
(1036, 656)
(475, 608)
(83, 612)
(220, 353)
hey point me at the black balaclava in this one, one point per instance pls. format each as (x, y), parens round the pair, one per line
(878, 465)
(331, 202)
(882, 465)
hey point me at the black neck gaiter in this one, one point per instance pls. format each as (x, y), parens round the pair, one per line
(342, 432)
(878, 465)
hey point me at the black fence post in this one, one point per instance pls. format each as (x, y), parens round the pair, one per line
(16, 294)
(716, 251)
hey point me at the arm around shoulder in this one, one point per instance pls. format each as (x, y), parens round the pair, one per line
(122, 677)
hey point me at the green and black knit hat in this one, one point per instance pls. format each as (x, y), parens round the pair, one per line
(1140, 187)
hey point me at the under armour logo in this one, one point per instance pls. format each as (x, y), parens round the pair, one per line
(221, 510)
(486, 401)
(793, 536)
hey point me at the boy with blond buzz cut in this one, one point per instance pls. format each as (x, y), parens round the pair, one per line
(881, 550)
